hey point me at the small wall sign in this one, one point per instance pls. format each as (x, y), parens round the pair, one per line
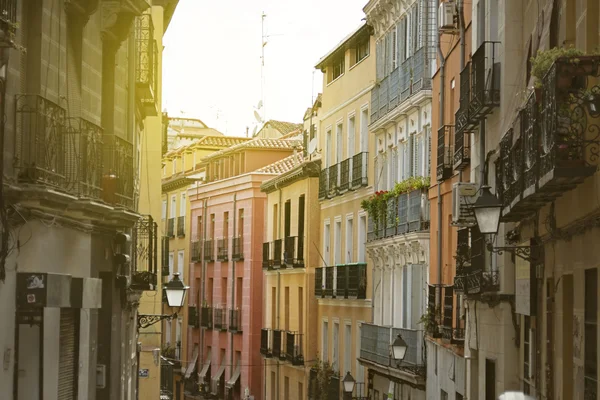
(143, 373)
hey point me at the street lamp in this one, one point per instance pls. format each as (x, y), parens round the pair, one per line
(399, 348)
(349, 383)
(175, 291)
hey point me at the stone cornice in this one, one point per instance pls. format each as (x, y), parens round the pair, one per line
(117, 18)
(382, 14)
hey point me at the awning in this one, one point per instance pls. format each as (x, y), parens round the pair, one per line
(205, 367)
(234, 378)
(217, 378)
(192, 365)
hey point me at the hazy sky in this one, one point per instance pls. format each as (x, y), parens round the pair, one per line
(212, 56)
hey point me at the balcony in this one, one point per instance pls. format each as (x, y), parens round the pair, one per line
(557, 143)
(237, 250)
(277, 253)
(84, 157)
(345, 175)
(277, 344)
(475, 281)
(406, 213)
(118, 178)
(333, 181)
(293, 255)
(8, 21)
(209, 250)
(447, 313)
(193, 317)
(408, 80)
(293, 348)
(223, 249)
(165, 255)
(375, 346)
(235, 320)
(347, 281)
(206, 317)
(195, 251)
(267, 261)
(181, 226)
(461, 117)
(171, 227)
(445, 152)
(360, 163)
(40, 148)
(146, 68)
(220, 321)
(144, 260)
(266, 338)
(323, 183)
(485, 81)
(462, 149)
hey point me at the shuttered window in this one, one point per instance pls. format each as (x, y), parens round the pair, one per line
(428, 156)
(380, 59)
(68, 355)
(406, 155)
(402, 40)
(394, 48)
(376, 169)
(419, 158)
(408, 30)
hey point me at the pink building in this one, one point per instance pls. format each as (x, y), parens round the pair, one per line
(228, 217)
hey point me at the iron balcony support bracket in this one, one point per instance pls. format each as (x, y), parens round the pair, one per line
(527, 253)
(146, 320)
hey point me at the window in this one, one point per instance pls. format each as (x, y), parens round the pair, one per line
(364, 130)
(286, 387)
(240, 226)
(394, 48)
(408, 36)
(350, 151)
(199, 228)
(178, 337)
(326, 243)
(168, 330)
(328, 147)
(443, 395)
(174, 165)
(212, 227)
(273, 306)
(287, 218)
(362, 238)
(338, 143)
(273, 383)
(335, 364)
(360, 370)
(325, 341)
(349, 240)
(180, 261)
(528, 355)
(275, 219)
(286, 308)
(337, 68)
(164, 209)
(301, 200)
(172, 211)
(225, 224)
(490, 379)
(347, 349)
(300, 390)
(591, 334)
(300, 309)
(171, 264)
(182, 206)
(362, 49)
(337, 240)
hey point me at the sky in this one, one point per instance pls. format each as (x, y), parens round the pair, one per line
(212, 58)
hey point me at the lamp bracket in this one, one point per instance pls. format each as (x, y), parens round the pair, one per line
(527, 253)
(146, 320)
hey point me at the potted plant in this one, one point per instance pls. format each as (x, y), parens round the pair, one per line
(544, 59)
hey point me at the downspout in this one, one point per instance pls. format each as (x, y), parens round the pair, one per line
(438, 298)
(231, 366)
(278, 280)
(203, 285)
(461, 26)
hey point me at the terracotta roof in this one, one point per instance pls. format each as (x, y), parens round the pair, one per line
(283, 127)
(258, 143)
(210, 141)
(284, 165)
(293, 134)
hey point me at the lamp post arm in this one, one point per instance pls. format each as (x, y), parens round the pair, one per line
(146, 320)
(527, 253)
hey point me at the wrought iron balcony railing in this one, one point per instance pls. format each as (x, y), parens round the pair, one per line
(461, 117)
(277, 344)
(209, 250)
(345, 175)
(347, 281)
(277, 253)
(195, 251)
(237, 250)
(171, 227)
(165, 255)
(267, 261)
(445, 152)
(146, 71)
(144, 259)
(8, 21)
(117, 182)
(220, 321)
(475, 281)
(181, 226)
(265, 342)
(323, 183)
(235, 320)
(375, 346)
(193, 317)
(223, 249)
(447, 313)
(84, 152)
(293, 348)
(360, 163)
(485, 81)
(462, 149)
(40, 146)
(333, 181)
(206, 317)
(293, 254)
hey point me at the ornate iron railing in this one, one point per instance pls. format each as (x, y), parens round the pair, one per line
(220, 321)
(193, 317)
(209, 250)
(144, 245)
(403, 214)
(448, 313)
(147, 62)
(206, 317)
(165, 255)
(237, 250)
(461, 117)
(293, 348)
(223, 249)
(344, 175)
(267, 261)
(277, 342)
(376, 341)
(485, 81)
(474, 281)
(39, 144)
(445, 152)
(333, 180)
(117, 187)
(265, 342)
(181, 226)
(328, 288)
(293, 254)
(195, 251)
(235, 320)
(84, 147)
(462, 149)
(171, 227)
(319, 282)
(323, 183)
(277, 253)
(360, 163)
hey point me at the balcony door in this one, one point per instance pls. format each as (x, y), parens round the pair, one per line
(338, 143)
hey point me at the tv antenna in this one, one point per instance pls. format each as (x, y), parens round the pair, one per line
(263, 77)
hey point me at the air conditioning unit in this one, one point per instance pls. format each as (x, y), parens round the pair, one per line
(463, 194)
(446, 15)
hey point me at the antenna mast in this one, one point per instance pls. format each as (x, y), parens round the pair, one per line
(262, 65)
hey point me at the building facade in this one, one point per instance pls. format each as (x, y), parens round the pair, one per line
(288, 336)
(80, 95)
(228, 216)
(342, 282)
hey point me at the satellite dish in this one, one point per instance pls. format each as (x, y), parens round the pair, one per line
(312, 146)
(259, 104)
(258, 117)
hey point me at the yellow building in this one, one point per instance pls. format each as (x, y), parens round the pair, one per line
(288, 342)
(343, 281)
(180, 172)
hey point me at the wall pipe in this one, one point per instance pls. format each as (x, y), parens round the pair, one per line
(461, 26)
(439, 187)
(231, 366)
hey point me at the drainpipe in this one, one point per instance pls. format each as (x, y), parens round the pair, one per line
(482, 152)
(203, 283)
(461, 25)
(439, 187)
(278, 308)
(231, 366)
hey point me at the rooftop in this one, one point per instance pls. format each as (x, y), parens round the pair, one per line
(259, 143)
(347, 42)
(284, 165)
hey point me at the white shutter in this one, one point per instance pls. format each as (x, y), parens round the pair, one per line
(420, 155)
(394, 165)
(384, 174)
(406, 170)
(408, 35)
(376, 169)
(393, 49)
(428, 158)
(421, 18)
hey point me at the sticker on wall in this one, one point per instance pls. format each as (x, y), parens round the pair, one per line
(144, 373)
(35, 282)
